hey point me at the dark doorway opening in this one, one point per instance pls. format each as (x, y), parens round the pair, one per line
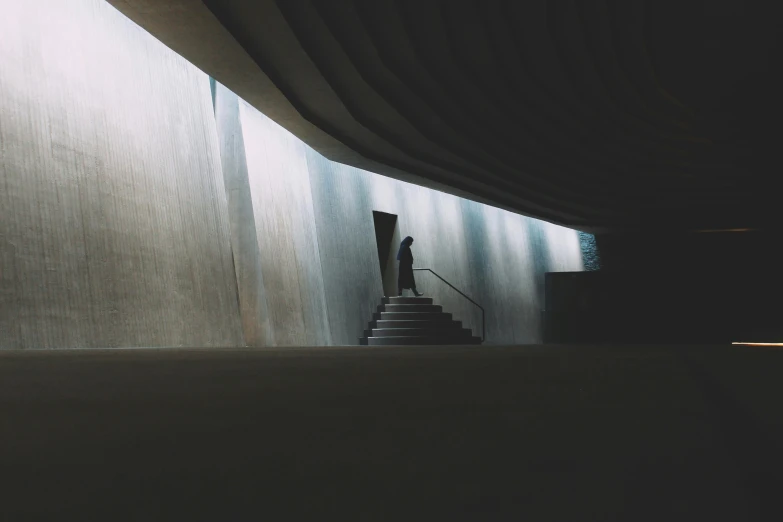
(387, 235)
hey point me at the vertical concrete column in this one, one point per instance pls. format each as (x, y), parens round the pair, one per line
(253, 308)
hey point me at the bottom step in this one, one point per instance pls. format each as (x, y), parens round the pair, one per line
(414, 341)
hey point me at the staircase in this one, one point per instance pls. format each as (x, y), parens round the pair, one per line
(414, 321)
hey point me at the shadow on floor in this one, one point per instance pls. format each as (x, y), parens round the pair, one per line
(429, 433)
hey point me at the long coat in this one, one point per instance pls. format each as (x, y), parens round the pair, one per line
(405, 278)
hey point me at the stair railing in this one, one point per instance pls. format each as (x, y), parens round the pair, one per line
(483, 319)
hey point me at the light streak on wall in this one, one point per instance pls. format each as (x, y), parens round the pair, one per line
(113, 218)
(136, 213)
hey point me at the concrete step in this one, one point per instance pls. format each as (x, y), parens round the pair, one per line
(408, 300)
(411, 308)
(420, 341)
(445, 333)
(418, 324)
(414, 321)
(415, 316)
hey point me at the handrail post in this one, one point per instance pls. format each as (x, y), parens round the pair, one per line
(483, 313)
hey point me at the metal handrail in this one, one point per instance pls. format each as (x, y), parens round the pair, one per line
(483, 313)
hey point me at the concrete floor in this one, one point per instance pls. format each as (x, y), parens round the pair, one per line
(435, 433)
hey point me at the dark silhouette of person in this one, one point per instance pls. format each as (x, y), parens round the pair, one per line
(405, 257)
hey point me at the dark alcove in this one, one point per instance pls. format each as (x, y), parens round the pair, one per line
(387, 236)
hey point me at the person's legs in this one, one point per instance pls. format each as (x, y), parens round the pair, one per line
(413, 285)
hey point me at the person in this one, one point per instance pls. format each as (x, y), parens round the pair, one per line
(405, 278)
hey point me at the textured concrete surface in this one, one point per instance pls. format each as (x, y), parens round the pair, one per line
(317, 246)
(496, 257)
(285, 229)
(113, 217)
(503, 433)
(254, 309)
(142, 209)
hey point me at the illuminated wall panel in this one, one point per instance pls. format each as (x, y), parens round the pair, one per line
(285, 231)
(113, 219)
(253, 307)
(496, 257)
(136, 211)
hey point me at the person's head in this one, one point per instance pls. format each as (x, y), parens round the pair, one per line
(408, 241)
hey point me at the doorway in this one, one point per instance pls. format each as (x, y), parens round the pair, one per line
(387, 236)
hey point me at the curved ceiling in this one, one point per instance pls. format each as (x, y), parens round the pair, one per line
(599, 114)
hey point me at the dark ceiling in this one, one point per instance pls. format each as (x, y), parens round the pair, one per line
(597, 114)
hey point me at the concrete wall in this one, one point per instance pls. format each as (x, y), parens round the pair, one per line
(113, 218)
(139, 210)
(315, 235)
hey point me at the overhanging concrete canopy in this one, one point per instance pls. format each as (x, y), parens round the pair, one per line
(598, 115)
